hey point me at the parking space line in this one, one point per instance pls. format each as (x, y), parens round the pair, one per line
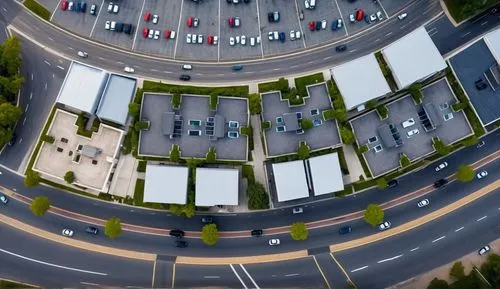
(173, 276)
(153, 278)
(382, 6)
(96, 19)
(319, 268)
(46, 62)
(300, 26)
(137, 26)
(250, 277)
(260, 32)
(238, 276)
(218, 46)
(341, 17)
(179, 30)
(55, 9)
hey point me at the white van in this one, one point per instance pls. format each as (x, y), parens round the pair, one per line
(187, 67)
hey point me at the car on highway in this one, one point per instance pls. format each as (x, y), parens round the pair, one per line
(128, 69)
(237, 67)
(412, 132)
(206, 219)
(274, 242)
(64, 5)
(341, 48)
(482, 174)
(384, 226)
(345, 230)
(155, 19)
(441, 166)
(4, 199)
(92, 230)
(484, 250)
(423, 203)
(407, 123)
(439, 183)
(297, 210)
(181, 243)
(187, 67)
(176, 233)
(93, 9)
(402, 16)
(83, 54)
(257, 232)
(67, 232)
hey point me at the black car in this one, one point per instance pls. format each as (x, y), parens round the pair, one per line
(481, 85)
(341, 48)
(176, 233)
(229, 1)
(257, 232)
(127, 28)
(119, 27)
(92, 230)
(185, 77)
(207, 220)
(440, 183)
(318, 25)
(273, 16)
(84, 7)
(181, 244)
(392, 183)
(345, 230)
(282, 36)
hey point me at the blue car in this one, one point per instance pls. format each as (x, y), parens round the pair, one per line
(237, 67)
(282, 36)
(78, 7)
(83, 8)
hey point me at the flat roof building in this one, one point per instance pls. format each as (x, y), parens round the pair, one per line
(116, 98)
(216, 186)
(290, 180)
(413, 58)
(325, 173)
(360, 80)
(492, 40)
(156, 189)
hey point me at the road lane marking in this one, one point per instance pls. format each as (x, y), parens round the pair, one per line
(326, 58)
(164, 71)
(359, 269)
(100, 58)
(27, 107)
(377, 40)
(480, 219)
(440, 238)
(388, 34)
(351, 51)
(212, 277)
(292, 275)
(321, 272)
(60, 67)
(31, 95)
(52, 265)
(3, 8)
(24, 121)
(459, 229)
(70, 48)
(46, 62)
(154, 272)
(238, 276)
(484, 23)
(250, 277)
(414, 249)
(119, 62)
(31, 76)
(390, 259)
(154, 70)
(294, 66)
(466, 34)
(88, 283)
(45, 85)
(276, 69)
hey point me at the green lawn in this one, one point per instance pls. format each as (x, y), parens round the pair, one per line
(460, 12)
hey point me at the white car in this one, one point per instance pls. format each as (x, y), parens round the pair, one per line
(484, 250)
(297, 34)
(423, 203)
(107, 25)
(128, 69)
(306, 3)
(276, 35)
(351, 18)
(243, 40)
(270, 36)
(157, 34)
(110, 7)
(441, 166)
(373, 18)
(402, 16)
(116, 8)
(151, 33)
(194, 37)
(237, 22)
(216, 40)
(292, 35)
(172, 35)
(482, 174)
(188, 38)
(412, 132)
(82, 54)
(70, 6)
(323, 24)
(155, 18)
(200, 38)
(68, 232)
(187, 67)
(258, 39)
(3, 199)
(252, 41)
(384, 226)
(237, 39)
(274, 242)
(408, 123)
(231, 41)
(196, 22)
(113, 26)
(379, 16)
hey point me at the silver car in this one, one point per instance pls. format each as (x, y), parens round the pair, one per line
(423, 203)
(384, 226)
(274, 242)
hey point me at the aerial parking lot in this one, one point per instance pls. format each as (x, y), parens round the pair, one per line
(327, 14)
(360, 15)
(74, 18)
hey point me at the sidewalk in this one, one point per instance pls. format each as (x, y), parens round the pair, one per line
(258, 154)
(353, 164)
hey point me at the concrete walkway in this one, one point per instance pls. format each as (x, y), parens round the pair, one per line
(123, 183)
(258, 154)
(353, 164)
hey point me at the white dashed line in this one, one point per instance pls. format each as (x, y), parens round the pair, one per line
(466, 34)
(3, 8)
(459, 229)
(390, 259)
(276, 69)
(119, 62)
(402, 27)
(60, 67)
(351, 51)
(295, 66)
(152, 69)
(377, 40)
(211, 277)
(70, 48)
(480, 219)
(100, 58)
(53, 75)
(45, 85)
(32, 76)
(220, 74)
(388, 34)
(199, 74)
(46, 62)
(164, 71)
(484, 23)
(440, 238)
(414, 249)
(359, 269)
(292, 275)
(31, 95)
(326, 58)
(248, 72)
(50, 38)
(90, 284)
(24, 121)
(27, 107)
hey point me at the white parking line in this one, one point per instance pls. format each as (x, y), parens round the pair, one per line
(342, 17)
(440, 238)
(300, 26)
(351, 51)
(96, 19)
(250, 277)
(53, 12)
(179, 30)
(60, 67)
(385, 12)
(359, 269)
(459, 229)
(46, 62)
(218, 46)
(390, 259)
(480, 219)
(414, 249)
(292, 275)
(138, 20)
(260, 32)
(50, 38)
(238, 276)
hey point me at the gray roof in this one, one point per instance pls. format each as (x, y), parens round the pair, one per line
(219, 126)
(291, 121)
(385, 135)
(433, 114)
(82, 87)
(167, 123)
(492, 40)
(115, 99)
(90, 151)
(166, 184)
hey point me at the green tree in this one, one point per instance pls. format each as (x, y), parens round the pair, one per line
(140, 125)
(32, 179)
(9, 114)
(134, 109)
(491, 270)
(465, 173)
(176, 100)
(210, 234)
(211, 155)
(175, 154)
(113, 227)
(438, 284)
(382, 183)
(69, 177)
(457, 271)
(40, 205)
(347, 135)
(306, 124)
(10, 57)
(299, 231)
(257, 197)
(374, 214)
(254, 103)
(441, 148)
(371, 104)
(303, 151)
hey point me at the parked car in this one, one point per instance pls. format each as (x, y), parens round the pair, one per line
(273, 16)
(206, 219)
(274, 242)
(339, 23)
(189, 21)
(323, 24)
(237, 38)
(113, 26)
(292, 35)
(412, 132)
(93, 9)
(441, 166)
(282, 36)
(116, 8)
(145, 32)
(155, 19)
(216, 39)
(392, 183)
(181, 243)
(482, 174)
(318, 25)
(252, 41)
(157, 34)
(351, 18)
(373, 18)
(237, 22)
(341, 48)
(4, 199)
(359, 14)
(194, 38)
(379, 16)
(345, 230)
(196, 22)
(297, 35)
(67, 232)
(243, 40)
(82, 54)
(384, 226)
(176, 233)
(311, 25)
(92, 230)
(423, 203)
(484, 250)
(257, 233)
(367, 18)
(231, 41)
(297, 210)
(407, 123)
(230, 21)
(147, 16)
(402, 16)
(276, 35)
(270, 36)
(439, 183)
(70, 6)
(167, 33)
(128, 69)
(200, 38)
(64, 5)
(83, 7)
(127, 28)
(110, 7)
(301, 15)
(107, 25)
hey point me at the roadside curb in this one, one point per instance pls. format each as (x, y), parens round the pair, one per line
(242, 260)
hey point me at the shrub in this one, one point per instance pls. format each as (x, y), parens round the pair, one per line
(363, 149)
(237, 91)
(211, 155)
(280, 85)
(329, 114)
(247, 172)
(40, 205)
(254, 103)
(465, 173)
(299, 231)
(176, 101)
(213, 101)
(347, 135)
(210, 234)
(374, 215)
(69, 177)
(382, 183)
(371, 104)
(303, 151)
(141, 166)
(32, 179)
(140, 125)
(404, 161)
(383, 112)
(139, 192)
(457, 271)
(302, 82)
(415, 91)
(134, 109)
(37, 9)
(47, 138)
(266, 125)
(441, 148)
(459, 106)
(257, 196)
(470, 141)
(174, 154)
(306, 124)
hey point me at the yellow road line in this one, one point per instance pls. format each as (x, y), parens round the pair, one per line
(243, 259)
(341, 267)
(321, 272)
(417, 222)
(76, 243)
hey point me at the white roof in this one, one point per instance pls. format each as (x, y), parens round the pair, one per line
(290, 181)
(115, 99)
(413, 58)
(82, 87)
(326, 174)
(360, 80)
(166, 184)
(216, 187)
(492, 39)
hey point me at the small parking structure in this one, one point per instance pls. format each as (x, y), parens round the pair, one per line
(409, 128)
(195, 128)
(284, 135)
(168, 20)
(324, 10)
(77, 22)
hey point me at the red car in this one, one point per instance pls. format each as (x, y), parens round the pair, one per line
(147, 16)
(359, 15)
(190, 21)
(230, 21)
(167, 34)
(311, 25)
(145, 32)
(64, 5)
(210, 39)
